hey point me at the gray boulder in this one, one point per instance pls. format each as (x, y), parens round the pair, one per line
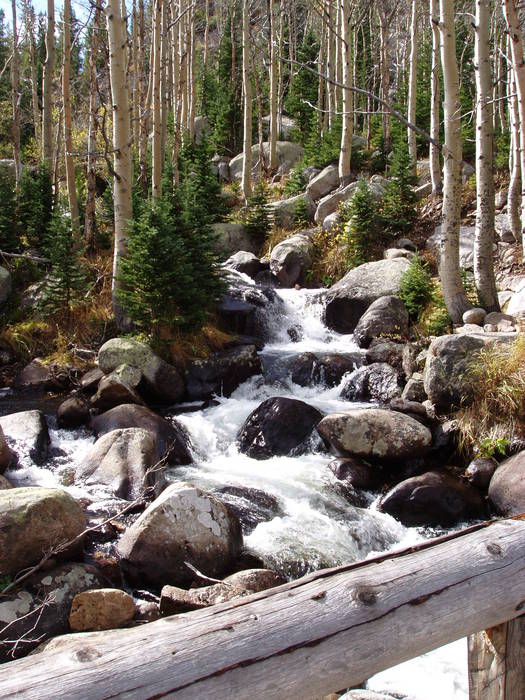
(163, 381)
(222, 372)
(502, 226)
(349, 298)
(5, 285)
(377, 382)
(72, 413)
(466, 245)
(27, 433)
(291, 258)
(33, 622)
(475, 316)
(288, 125)
(415, 389)
(39, 377)
(171, 437)
(184, 524)
(330, 203)
(201, 128)
(323, 183)
(480, 471)
(507, 486)
(118, 387)
(385, 316)
(332, 221)
(7, 458)
(230, 238)
(123, 460)
(284, 211)
(393, 253)
(288, 154)
(34, 520)
(245, 262)
(433, 498)
(376, 433)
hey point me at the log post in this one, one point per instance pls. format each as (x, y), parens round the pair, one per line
(305, 639)
(496, 662)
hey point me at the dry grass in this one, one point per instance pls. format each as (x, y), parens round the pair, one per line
(498, 408)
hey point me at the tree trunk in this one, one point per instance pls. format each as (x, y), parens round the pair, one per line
(513, 197)
(47, 87)
(484, 235)
(345, 154)
(136, 70)
(332, 39)
(164, 103)
(321, 62)
(192, 92)
(29, 21)
(518, 64)
(412, 89)
(143, 106)
(91, 185)
(434, 153)
(206, 33)
(274, 134)
(15, 97)
(246, 181)
(156, 176)
(122, 164)
(68, 134)
(176, 94)
(385, 75)
(449, 269)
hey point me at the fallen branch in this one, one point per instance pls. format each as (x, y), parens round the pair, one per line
(27, 256)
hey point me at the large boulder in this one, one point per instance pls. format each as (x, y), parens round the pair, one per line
(503, 229)
(231, 237)
(288, 154)
(123, 460)
(385, 316)
(466, 245)
(308, 369)
(285, 211)
(507, 486)
(38, 377)
(72, 413)
(222, 372)
(27, 432)
(245, 262)
(101, 609)
(278, 426)
(201, 128)
(288, 126)
(349, 298)
(171, 437)
(433, 498)
(5, 285)
(378, 382)
(251, 506)
(34, 520)
(118, 387)
(41, 609)
(323, 183)
(376, 433)
(446, 379)
(7, 458)
(184, 524)
(291, 258)
(242, 310)
(163, 381)
(330, 203)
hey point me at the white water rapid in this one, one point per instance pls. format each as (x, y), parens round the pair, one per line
(301, 522)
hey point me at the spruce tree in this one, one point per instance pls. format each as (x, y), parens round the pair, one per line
(398, 211)
(35, 205)
(304, 85)
(257, 218)
(9, 231)
(360, 225)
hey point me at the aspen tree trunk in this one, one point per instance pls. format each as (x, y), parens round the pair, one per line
(280, 86)
(58, 149)
(122, 164)
(163, 83)
(136, 69)
(68, 134)
(246, 181)
(260, 133)
(412, 88)
(143, 106)
(449, 269)
(206, 33)
(348, 102)
(338, 59)
(156, 175)
(434, 154)
(274, 96)
(176, 93)
(90, 218)
(518, 64)
(15, 77)
(192, 92)
(484, 234)
(385, 74)
(29, 21)
(47, 87)
(503, 77)
(183, 70)
(332, 106)
(321, 61)
(514, 194)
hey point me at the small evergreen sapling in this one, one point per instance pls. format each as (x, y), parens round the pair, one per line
(35, 205)
(9, 231)
(360, 224)
(257, 218)
(416, 289)
(398, 211)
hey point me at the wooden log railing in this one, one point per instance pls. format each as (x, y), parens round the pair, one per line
(325, 632)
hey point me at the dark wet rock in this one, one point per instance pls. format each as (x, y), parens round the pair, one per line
(351, 476)
(480, 471)
(278, 426)
(507, 486)
(126, 461)
(378, 382)
(27, 431)
(245, 262)
(375, 433)
(118, 387)
(222, 372)
(72, 413)
(349, 298)
(171, 437)
(387, 316)
(387, 351)
(309, 369)
(415, 389)
(39, 378)
(28, 619)
(433, 498)
(90, 380)
(5, 483)
(241, 310)
(252, 506)
(7, 457)
(184, 524)
(414, 408)
(33, 520)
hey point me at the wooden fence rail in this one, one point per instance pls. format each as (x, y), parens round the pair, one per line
(320, 634)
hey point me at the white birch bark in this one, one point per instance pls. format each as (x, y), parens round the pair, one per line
(514, 193)
(434, 153)
(345, 154)
(412, 88)
(156, 174)
(68, 133)
(246, 181)
(15, 98)
(274, 97)
(47, 87)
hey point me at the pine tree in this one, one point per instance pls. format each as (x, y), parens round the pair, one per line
(9, 231)
(66, 282)
(304, 85)
(35, 205)
(398, 211)
(257, 218)
(360, 225)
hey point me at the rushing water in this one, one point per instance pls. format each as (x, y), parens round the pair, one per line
(309, 525)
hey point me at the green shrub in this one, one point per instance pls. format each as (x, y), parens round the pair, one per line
(360, 223)
(435, 320)
(301, 215)
(321, 150)
(416, 288)
(257, 217)
(296, 182)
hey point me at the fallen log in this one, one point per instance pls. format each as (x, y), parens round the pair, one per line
(327, 631)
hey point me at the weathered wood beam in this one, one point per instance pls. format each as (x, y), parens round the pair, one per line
(302, 640)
